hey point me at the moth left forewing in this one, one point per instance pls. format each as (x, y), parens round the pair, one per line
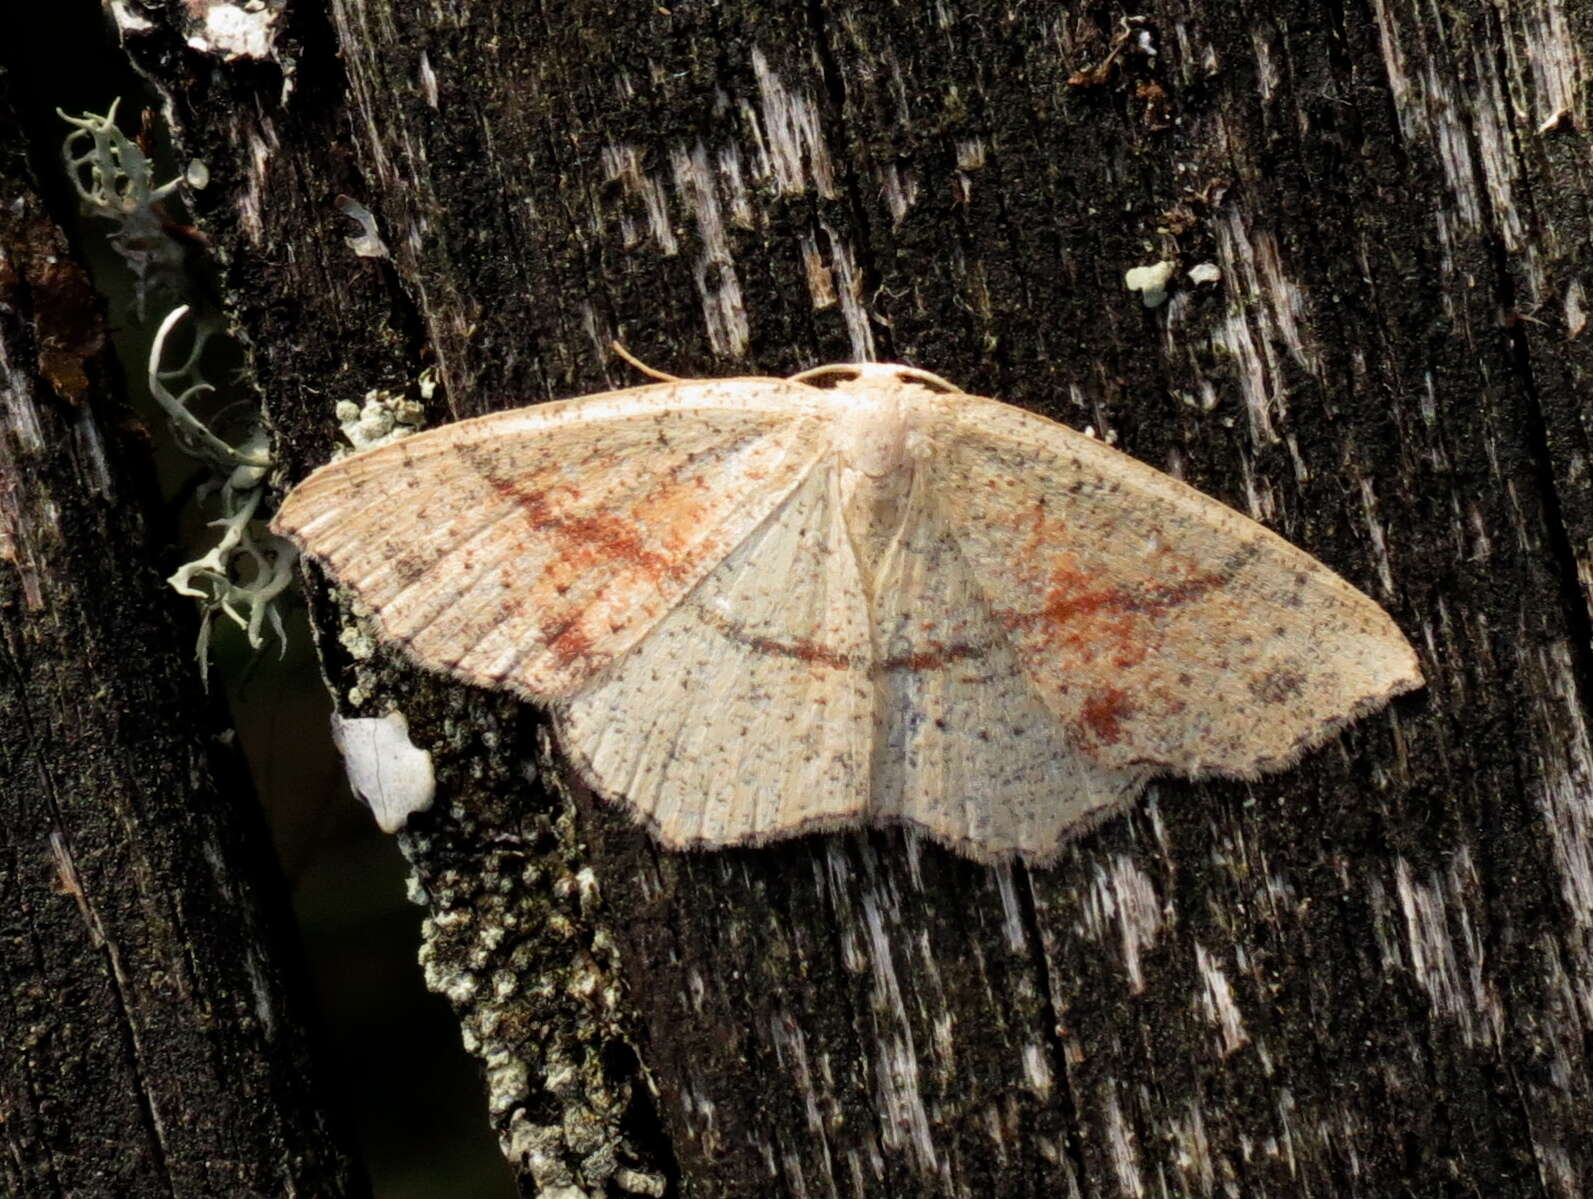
(529, 548)
(1163, 629)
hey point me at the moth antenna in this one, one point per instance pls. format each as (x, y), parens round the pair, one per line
(818, 372)
(638, 364)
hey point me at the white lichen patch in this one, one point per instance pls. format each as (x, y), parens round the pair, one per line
(384, 417)
(636, 1182)
(359, 641)
(368, 243)
(1150, 281)
(234, 31)
(385, 769)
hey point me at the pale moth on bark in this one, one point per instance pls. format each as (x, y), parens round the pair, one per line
(761, 607)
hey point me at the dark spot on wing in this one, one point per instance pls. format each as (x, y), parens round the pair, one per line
(1278, 685)
(1103, 715)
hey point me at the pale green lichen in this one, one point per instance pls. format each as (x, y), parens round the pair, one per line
(384, 417)
(244, 467)
(1150, 281)
(115, 181)
(358, 642)
(521, 947)
(248, 567)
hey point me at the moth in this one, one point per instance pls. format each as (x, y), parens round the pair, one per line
(858, 596)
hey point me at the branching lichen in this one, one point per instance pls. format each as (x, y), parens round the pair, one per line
(248, 567)
(115, 181)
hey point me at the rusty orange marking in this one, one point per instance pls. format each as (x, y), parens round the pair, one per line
(582, 541)
(571, 645)
(1084, 619)
(803, 651)
(934, 658)
(1088, 621)
(675, 516)
(566, 640)
(811, 652)
(594, 539)
(1104, 712)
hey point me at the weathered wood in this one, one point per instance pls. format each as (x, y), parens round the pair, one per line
(151, 996)
(1373, 974)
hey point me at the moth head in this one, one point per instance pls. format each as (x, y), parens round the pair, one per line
(844, 372)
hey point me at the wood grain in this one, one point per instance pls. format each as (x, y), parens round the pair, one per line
(1371, 976)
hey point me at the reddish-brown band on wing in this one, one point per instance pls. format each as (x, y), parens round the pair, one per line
(1164, 629)
(529, 549)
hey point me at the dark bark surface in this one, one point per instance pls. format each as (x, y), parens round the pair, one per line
(1372, 974)
(150, 1041)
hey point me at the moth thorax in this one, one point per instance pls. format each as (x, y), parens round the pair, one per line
(876, 446)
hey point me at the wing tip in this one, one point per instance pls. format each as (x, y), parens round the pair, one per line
(1317, 734)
